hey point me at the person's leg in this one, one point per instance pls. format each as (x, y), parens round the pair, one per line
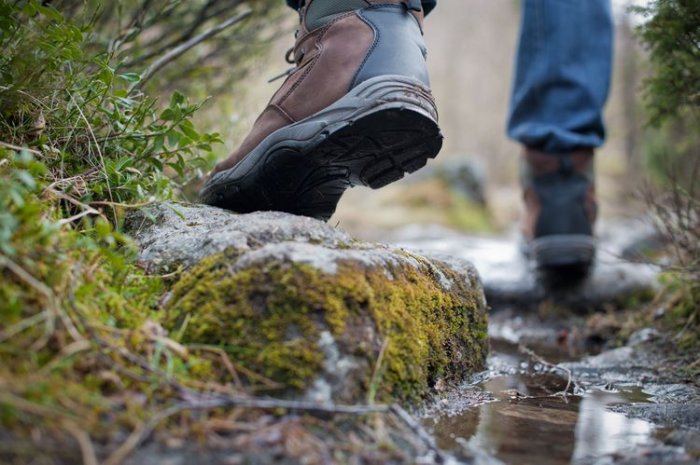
(561, 84)
(562, 75)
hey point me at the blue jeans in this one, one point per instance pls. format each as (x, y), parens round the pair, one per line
(562, 73)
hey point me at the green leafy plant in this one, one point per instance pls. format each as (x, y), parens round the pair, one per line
(81, 143)
(672, 93)
(672, 35)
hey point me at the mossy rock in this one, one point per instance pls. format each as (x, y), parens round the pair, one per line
(328, 319)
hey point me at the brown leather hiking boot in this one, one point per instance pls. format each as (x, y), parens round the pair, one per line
(561, 209)
(355, 110)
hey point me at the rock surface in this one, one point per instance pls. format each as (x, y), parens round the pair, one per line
(509, 279)
(301, 303)
(171, 234)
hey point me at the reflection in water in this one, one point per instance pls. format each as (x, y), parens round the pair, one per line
(525, 425)
(600, 432)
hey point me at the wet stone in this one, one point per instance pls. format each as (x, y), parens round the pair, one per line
(668, 414)
(510, 279)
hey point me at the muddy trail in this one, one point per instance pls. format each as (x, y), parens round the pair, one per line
(559, 389)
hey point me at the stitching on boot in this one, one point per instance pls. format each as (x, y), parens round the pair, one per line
(377, 36)
(322, 32)
(377, 33)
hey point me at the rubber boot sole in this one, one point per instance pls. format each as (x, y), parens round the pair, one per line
(381, 130)
(570, 255)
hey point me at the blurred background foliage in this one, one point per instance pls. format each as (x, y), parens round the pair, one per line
(671, 36)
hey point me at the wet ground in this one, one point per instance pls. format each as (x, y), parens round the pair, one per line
(525, 411)
(554, 391)
(554, 394)
(510, 280)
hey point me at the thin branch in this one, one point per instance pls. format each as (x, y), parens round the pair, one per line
(135, 438)
(376, 378)
(180, 49)
(539, 359)
(202, 18)
(18, 148)
(418, 429)
(87, 209)
(87, 450)
(77, 216)
(123, 205)
(22, 325)
(33, 408)
(24, 275)
(141, 433)
(293, 405)
(226, 361)
(99, 152)
(48, 293)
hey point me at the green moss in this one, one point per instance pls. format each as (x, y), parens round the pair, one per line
(684, 316)
(435, 201)
(467, 215)
(270, 317)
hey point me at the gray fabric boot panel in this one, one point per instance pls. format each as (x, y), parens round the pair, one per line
(563, 200)
(398, 47)
(322, 12)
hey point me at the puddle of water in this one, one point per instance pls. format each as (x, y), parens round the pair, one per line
(526, 423)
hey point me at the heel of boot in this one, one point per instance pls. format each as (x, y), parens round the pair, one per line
(398, 119)
(398, 92)
(398, 48)
(565, 250)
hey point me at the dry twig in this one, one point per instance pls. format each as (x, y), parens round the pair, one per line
(374, 383)
(182, 48)
(53, 307)
(84, 442)
(569, 378)
(18, 148)
(418, 429)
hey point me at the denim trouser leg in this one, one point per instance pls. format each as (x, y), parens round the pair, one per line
(428, 5)
(562, 74)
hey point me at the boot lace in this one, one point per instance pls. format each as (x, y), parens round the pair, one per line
(412, 5)
(289, 58)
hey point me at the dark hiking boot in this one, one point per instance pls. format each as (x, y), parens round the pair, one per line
(559, 193)
(355, 110)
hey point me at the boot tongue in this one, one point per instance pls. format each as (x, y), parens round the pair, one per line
(321, 12)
